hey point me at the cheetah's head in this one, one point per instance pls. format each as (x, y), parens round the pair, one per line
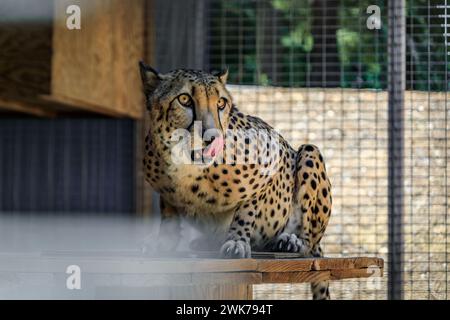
(181, 98)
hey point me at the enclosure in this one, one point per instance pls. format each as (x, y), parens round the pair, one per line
(365, 81)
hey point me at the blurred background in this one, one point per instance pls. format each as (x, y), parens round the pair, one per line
(72, 120)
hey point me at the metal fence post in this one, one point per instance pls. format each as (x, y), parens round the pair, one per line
(396, 92)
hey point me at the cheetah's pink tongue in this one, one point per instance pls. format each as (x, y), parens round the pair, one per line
(214, 148)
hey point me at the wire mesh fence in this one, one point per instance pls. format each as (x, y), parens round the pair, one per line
(426, 152)
(318, 72)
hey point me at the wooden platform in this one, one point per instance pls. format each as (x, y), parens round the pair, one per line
(136, 276)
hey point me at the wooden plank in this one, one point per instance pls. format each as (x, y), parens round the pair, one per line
(227, 277)
(247, 271)
(355, 273)
(25, 55)
(179, 279)
(189, 292)
(124, 265)
(150, 32)
(82, 59)
(21, 79)
(128, 48)
(210, 292)
(249, 292)
(97, 65)
(295, 277)
(310, 276)
(309, 264)
(66, 104)
(114, 292)
(145, 280)
(202, 292)
(25, 107)
(346, 263)
(285, 265)
(231, 292)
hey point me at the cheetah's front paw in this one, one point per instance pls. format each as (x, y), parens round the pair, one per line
(289, 242)
(235, 249)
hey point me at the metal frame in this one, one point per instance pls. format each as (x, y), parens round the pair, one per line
(396, 92)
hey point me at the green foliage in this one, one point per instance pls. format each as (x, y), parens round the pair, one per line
(362, 53)
(300, 36)
(426, 55)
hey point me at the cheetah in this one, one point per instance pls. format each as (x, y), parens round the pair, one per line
(254, 192)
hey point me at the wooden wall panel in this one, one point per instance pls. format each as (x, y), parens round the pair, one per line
(128, 49)
(46, 66)
(82, 59)
(98, 64)
(25, 48)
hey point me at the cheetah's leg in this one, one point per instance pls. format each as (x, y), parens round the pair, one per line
(170, 229)
(314, 200)
(237, 244)
(320, 290)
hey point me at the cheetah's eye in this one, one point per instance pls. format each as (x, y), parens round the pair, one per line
(185, 100)
(222, 103)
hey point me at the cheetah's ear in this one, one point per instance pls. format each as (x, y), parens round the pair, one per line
(222, 75)
(150, 78)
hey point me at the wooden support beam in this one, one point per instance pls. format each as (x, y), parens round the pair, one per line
(25, 107)
(66, 105)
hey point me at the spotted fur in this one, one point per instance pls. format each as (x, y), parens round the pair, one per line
(238, 205)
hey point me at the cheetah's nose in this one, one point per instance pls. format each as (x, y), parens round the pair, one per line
(208, 121)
